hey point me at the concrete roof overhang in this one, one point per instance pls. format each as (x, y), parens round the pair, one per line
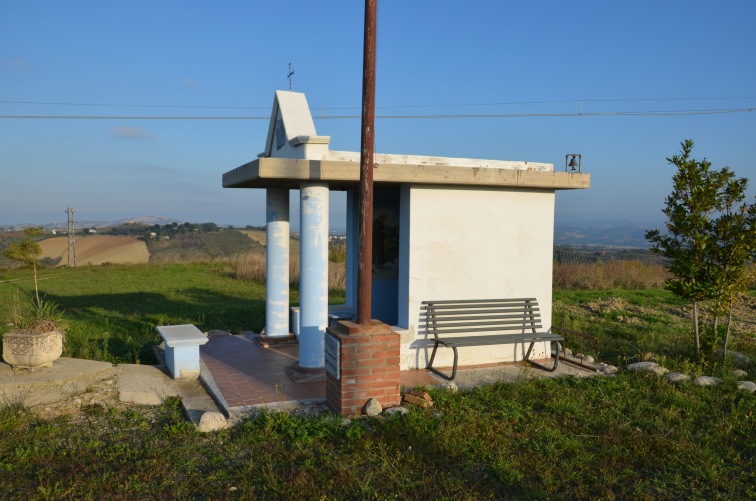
(344, 174)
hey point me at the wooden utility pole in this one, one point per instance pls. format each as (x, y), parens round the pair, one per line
(365, 274)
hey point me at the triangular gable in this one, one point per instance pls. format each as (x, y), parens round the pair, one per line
(290, 118)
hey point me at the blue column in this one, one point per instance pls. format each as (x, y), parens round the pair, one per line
(277, 262)
(313, 273)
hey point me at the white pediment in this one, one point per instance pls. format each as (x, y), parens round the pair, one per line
(291, 133)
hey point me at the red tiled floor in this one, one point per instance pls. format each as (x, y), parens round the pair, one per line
(241, 374)
(245, 375)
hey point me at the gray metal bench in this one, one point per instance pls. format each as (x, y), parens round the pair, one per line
(485, 322)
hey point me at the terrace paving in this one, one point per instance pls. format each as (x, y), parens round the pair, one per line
(238, 376)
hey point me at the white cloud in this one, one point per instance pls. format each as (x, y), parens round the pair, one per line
(131, 133)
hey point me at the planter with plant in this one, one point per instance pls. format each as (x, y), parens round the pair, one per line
(36, 340)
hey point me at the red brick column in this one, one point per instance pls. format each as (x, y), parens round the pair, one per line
(369, 367)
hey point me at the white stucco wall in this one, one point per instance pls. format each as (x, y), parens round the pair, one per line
(473, 243)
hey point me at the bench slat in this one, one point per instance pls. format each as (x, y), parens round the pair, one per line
(515, 312)
(512, 319)
(491, 340)
(462, 330)
(480, 307)
(468, 301)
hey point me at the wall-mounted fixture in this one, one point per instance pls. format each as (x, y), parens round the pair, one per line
(573, 162)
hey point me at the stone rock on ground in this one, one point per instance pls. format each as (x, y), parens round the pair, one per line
(706, 381)
(606, 369)
(451, 386)
(373, 407)
(738, 358)
(400, 411)
(740, 373)
(212, 421)
(677, 377)
(748, 386)
(648, 367)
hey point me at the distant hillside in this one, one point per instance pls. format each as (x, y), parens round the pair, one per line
(201, 246)
(565, 254)
(619, 234)
(603, 234)
(95, 250)
(88, 223)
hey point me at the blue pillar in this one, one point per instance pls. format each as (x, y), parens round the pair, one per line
(313, 273)
(277, 262)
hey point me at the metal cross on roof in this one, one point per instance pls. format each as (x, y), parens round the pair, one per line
(291, 72)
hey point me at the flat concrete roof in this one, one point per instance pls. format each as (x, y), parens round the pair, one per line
(342, 171)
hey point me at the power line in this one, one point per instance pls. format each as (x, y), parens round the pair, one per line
(438, 105)
(657, 113)
(53, 103)
(536, 115)
(133, 117)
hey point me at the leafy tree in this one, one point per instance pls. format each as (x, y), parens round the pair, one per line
(688, 210)
(27, 251)
(710, 236)
(735, 231)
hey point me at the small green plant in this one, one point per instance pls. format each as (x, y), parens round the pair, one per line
(37, 316)
(337, 253)
(12, 411)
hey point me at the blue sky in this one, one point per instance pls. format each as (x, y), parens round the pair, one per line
(434, 58)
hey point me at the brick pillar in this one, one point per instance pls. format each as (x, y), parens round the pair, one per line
(368, 360)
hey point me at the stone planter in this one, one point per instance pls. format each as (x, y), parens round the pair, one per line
(32, 351)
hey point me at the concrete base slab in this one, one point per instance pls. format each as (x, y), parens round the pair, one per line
(151, 385)
(137, 384)
(144, 384)
(195, 400)
(471, 376)
(51, 384)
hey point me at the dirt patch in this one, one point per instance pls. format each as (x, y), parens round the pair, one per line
(607, 305)
(256, 235)
(97, 249)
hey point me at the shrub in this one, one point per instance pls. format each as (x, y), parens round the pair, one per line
(609, 275)
(251, 266)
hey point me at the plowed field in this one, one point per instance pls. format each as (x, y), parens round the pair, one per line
(97, 249)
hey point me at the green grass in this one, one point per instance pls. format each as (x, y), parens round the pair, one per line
(630, 324)
(201, 246)
(112, 311)
(628, 437)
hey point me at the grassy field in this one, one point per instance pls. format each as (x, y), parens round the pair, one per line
(631, 436)
(112, 311)
(631, 325)
(202, 246)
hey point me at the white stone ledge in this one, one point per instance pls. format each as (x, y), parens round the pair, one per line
(182, 344)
